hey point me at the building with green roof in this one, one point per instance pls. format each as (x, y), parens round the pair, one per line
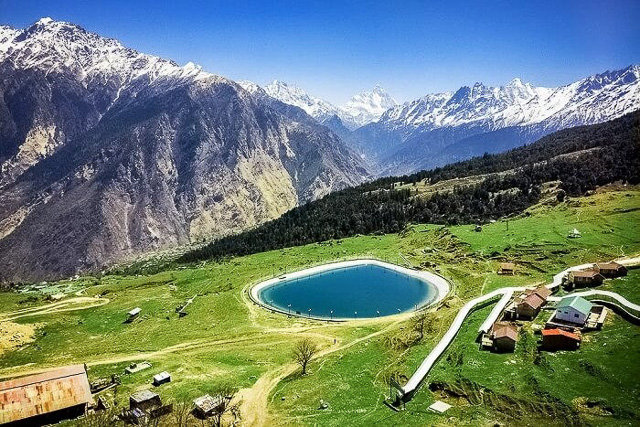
(573, 309)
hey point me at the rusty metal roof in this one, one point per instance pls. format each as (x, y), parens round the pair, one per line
(51, 391)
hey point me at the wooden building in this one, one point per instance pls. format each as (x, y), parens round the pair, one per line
(585, 278)
(46, 398)
(611, 269)
(161, 378)
(559, 339)
(504, 336)
(144, 400)
(508, 268)
(529, 306)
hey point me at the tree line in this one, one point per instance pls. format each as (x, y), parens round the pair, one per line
(581, 159)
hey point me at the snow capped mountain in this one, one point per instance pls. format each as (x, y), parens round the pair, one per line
(590, 100)
(293, 95)
(368, 107)
(64, 47)
(436, 128)
(363, 108)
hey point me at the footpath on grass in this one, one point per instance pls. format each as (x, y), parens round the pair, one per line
(503, 296)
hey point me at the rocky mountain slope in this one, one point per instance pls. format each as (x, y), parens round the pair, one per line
(106, 152)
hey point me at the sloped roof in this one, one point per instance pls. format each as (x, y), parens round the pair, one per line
(507, 266)
(26, 397)
(534, 301)
(609, 265)
(585, 273)
(578, 303)
(143, 396)
(543, 292)
(505, 330)
(560, 332)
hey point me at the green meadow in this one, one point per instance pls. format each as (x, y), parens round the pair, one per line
(228, 341)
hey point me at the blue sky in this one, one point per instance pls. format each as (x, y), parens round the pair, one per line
(336, 49)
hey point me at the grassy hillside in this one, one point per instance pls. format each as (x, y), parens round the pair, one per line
(226, 340)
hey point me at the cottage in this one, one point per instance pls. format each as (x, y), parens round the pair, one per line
(207, 406)
(585, 278)
(559, 339)
(507, 268)
(573, 310)
(504, 336)
(161, 378)
(529, 307)
(611, 269)
(45, 398)
(144, 406)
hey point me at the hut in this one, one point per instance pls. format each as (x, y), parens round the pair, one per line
(559, 339)
(530, 306)
(207, 406)
(46, 398)
(144, 400)
(507, 268)
(504, 336)
(133, 314)
(585, 278)
(161, 378)
(573, 309)
(611, 269)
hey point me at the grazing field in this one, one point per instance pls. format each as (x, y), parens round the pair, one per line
(227, 341)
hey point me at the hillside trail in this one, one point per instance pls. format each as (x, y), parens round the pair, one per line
(71, 304)
(254, 400)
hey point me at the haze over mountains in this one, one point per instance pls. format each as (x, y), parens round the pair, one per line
(106, 152)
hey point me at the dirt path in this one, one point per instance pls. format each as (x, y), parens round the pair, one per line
(71, 304)
(254, 400)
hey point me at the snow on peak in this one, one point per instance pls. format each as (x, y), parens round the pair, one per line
(57, 46)
(294, 95)
(368, 107)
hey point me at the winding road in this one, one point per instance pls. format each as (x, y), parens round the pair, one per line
(505, 295)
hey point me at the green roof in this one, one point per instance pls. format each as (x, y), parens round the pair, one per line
(578, 303)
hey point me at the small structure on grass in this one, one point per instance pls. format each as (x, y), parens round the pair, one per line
(574, 234)
(611, 269)
(161, 378)
(133, 314)
(527, 305)
(145, 405)
(507, 268)
(504, 336)
(207, 406)
(585, 278)
(574, 310)
(439, 406)
(46, 398)
(559, 339)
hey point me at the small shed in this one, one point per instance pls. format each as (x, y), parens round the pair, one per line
(144, 400)
(45, 398)
(611, 269)
(133, 314)
(206, 406)
(589, 277)
(507, 268)
(505, 336)
(161, 378)
(559, 339)
(573, 309)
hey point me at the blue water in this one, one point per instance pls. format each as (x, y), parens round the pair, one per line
(369, 290)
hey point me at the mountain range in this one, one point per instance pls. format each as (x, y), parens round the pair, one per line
(107, 152)
(441, 128)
